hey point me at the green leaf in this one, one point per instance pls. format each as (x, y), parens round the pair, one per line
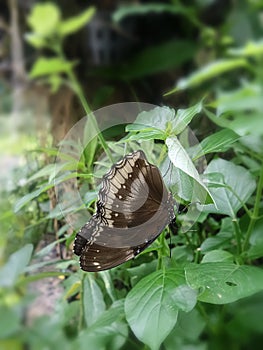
(51, 170)
(238, 122)
(44, 18)
(15, 266)
(158, 58)
(221, 240)
(218, 142)
(246, 98)
(229, 194)
(256, 241)
(93, 301)
(182, 161)
(48, 248)
(217, 255)
(252, 48)
(54, 81)
(246, 317)
(151, 124)
(32, 195)
(10, 323)
(75, 23)
(152, 306)
(40, 276)
(46, 66)
(192, 321)
(144, 134)
(108, 332)
(208, 72)
(184, 117)
(157, 118)
(144, 9)
(90, 141)
(222, 282)
(107, 318)
(36, 40)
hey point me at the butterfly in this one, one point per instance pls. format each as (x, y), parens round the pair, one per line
(132, 209)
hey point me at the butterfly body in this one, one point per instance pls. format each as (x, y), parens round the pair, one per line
(133, 208)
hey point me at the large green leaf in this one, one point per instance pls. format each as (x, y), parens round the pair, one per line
(233, 188)
(160, 122)
(218, 142)
(15, 265)
(157, 118)
(223, 282)
(210, 71)
(182, 161)
(152, 306)
(93, 301)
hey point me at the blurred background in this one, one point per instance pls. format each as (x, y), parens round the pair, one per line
(54, 54)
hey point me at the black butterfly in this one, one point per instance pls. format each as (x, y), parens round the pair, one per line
(133, 208)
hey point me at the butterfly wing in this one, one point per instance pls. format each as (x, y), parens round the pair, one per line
(96, 257)
(132, 192)
(133, 208)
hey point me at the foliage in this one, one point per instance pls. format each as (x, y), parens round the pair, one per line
(208, 293)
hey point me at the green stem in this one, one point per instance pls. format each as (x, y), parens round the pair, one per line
(238, 236)
(254, 216)
(81, 311)
(79, 92)
(160, 252)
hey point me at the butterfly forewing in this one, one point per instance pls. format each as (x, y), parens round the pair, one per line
(133, 208)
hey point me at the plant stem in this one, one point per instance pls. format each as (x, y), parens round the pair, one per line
(160, 252)
(81, 311)
(238, 236)
(79, 92)
(254, 216)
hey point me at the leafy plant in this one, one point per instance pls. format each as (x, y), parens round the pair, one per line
(206, 290)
